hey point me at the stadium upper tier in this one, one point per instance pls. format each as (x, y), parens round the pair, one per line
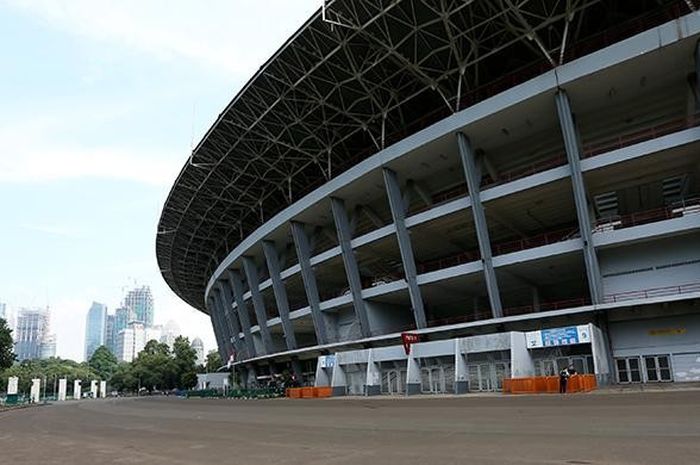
(355, 79)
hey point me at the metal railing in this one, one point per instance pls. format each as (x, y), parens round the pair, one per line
(653, 292)
(638, 135)
(446, 262)
(535, 241)
(684, 207)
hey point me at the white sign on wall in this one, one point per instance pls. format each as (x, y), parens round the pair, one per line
(326, 361)
(12, 385)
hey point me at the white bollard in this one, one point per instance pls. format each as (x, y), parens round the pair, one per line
(62, 388)
(93, 389)
(35, 391)
(77, 389)
(103, 389)
(12, 385)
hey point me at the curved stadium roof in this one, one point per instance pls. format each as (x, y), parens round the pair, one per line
(347, 85)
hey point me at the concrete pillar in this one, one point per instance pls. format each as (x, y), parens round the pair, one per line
(77, 389)
(272, 259)
(62, 388)
(35, 391)
(521, 363)
(225, 327)
(322, 378)
(301, 243)
(338, 380)
(352, 272)
(225, 295)
(218, 335)
(93, 388)
(373, 380)
(251, 274)
(103, 389)
(571, 143)
(398, 213)
(12, 385)
(236, 283)
(413, 375)
(461, 370)
(252, 380)
(466, 154)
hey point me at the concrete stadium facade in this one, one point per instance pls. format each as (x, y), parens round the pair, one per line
(550, 217)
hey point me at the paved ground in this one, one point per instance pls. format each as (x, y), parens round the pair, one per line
(632, 428)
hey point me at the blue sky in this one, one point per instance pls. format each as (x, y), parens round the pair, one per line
(100, 104)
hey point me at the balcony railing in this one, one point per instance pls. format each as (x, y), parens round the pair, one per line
(684, 207)
(446, 262)
(535, 241)
(654, 292)
(639, 135)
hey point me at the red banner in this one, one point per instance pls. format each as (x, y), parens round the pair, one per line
(408, 339)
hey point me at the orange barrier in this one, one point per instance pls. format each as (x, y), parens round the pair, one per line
(548, 384)
(308, 392)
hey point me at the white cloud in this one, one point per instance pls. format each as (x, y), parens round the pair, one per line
(230, 36)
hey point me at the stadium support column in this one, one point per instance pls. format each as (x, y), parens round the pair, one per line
(301, 243)
(466, 154)
(273, 265)
(236, 283)
(571, 143)
(217, 329)
(251, 274)
(342, 226)
(223, 321)
(231, 318)
(461, 369)
(398, 213)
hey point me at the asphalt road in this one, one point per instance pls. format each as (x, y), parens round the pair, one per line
(631, 428)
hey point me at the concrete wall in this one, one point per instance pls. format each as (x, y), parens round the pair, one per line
(678, 334)
(387, 317)
(669, 262)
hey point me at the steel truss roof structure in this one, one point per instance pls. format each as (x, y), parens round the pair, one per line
(354, 78)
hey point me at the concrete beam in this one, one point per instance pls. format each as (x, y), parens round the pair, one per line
(352, 272)
(573, 155)
(236, 283)
(230, 315)
(398, 212)
(272, 259)
(466, 154)
(251, 273)
(303, 248)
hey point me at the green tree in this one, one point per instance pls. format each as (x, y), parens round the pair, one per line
(213, 361)
(123, 378)
(185, 359)
(154, 368)
(103, 362)
(7, 356)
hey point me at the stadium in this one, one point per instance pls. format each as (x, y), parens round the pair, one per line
(506, 187)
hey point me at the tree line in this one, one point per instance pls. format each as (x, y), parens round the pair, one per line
(157, 367)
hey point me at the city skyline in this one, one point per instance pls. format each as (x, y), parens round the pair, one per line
(92, 151)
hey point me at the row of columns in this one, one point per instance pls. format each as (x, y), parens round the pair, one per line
(229, 333)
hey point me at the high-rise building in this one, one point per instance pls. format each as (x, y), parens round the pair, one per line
(198, 347)
(171, 330)
(140, 302)
(110, 334)
(3, 311)
(122, 317)
(95, 328)
(132, 339)
(32, 338)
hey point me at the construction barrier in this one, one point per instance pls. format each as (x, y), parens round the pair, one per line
(308, 392)
(548, 384)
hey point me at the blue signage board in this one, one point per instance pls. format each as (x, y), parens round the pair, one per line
(560, 336)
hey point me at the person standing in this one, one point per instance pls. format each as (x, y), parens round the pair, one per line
(564, 380)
